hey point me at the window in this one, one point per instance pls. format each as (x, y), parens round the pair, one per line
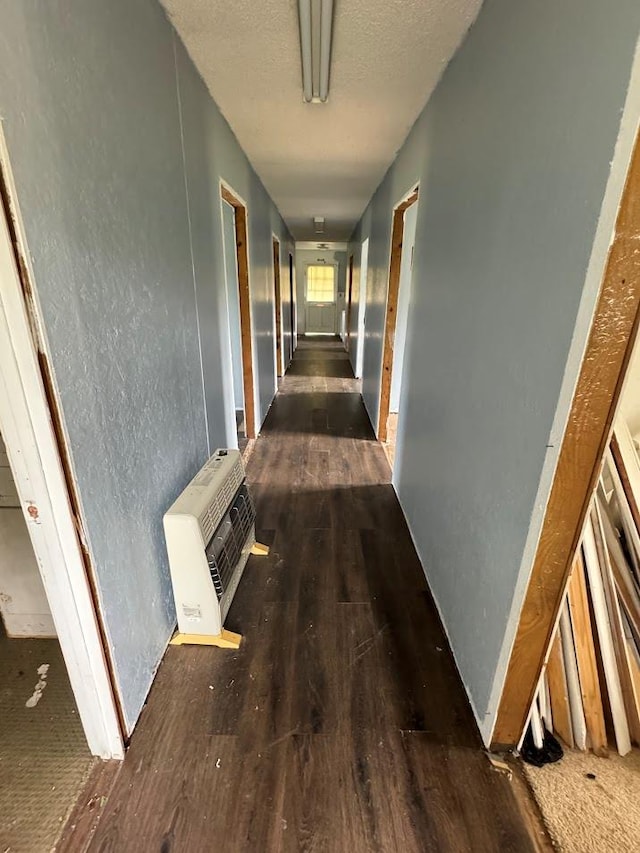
(320, 284)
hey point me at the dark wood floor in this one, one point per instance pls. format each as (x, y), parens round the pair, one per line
(340, 724)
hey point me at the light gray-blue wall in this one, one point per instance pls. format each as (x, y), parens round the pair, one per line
(513, 156)
(117, 172)
(213, 151)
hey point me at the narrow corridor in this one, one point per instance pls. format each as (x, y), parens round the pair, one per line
(340, 724)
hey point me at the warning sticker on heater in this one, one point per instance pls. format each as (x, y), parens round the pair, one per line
(192, 612)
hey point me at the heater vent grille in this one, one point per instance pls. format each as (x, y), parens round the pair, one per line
(214, 512)
(225, 548)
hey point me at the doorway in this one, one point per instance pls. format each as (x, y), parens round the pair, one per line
(277, 307)
(24, 608)
(31, 427)
(58, 696)
(400, 337)
(362, 306)
(320, 299)
(43, 749)
(236, 259)
(292, 307)
(395, 325)
(347, 331)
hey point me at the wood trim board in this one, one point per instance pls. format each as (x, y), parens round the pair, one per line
(586, 658)
(610, 342)
(578, 721)
(596, 563)
(559, 691)
(632, 708)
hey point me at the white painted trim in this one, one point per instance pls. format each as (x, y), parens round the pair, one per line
(234, 192)
(363, 292)
(33, 451)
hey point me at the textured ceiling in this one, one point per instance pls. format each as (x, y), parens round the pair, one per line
(322, 159)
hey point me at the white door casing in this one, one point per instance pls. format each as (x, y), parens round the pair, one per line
(320, 316)
(362, 307)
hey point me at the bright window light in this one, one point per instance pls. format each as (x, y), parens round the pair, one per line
(320, 284)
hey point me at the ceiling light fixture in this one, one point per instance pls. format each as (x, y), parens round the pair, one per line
(318, 224)
(316, 26)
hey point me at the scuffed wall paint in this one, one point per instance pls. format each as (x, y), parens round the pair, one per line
(513, 156)
(119, 194)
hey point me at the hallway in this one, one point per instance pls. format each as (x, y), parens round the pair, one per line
(340, 724)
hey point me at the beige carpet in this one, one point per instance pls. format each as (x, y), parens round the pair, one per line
(44, 759)
(590, 815)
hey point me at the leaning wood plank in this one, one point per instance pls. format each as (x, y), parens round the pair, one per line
(625, 583)
(548, 711)
(595, 552)
(536, 725)
(634, 660)
(628, 466)
(578, 723)
(586, 659)
(627, 518)
(559, 692)
(586, 436)
(629, 692)
(542, 699)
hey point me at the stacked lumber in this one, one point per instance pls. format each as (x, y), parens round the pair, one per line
(589, 691)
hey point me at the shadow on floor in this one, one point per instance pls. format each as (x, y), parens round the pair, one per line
(323, 413)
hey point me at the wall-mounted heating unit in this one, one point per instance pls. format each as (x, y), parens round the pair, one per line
(210, 532)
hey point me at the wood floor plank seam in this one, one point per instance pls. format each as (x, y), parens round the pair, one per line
(340, 724)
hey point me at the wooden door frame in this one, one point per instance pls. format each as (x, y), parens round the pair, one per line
(397, 234)
(277, 298)
(347, 335)
(37, 447)
(609, 347)
(242, 258)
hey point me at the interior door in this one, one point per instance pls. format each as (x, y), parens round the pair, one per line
(292, 308)
(320, 298)
(278, 306)
(362, 307)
